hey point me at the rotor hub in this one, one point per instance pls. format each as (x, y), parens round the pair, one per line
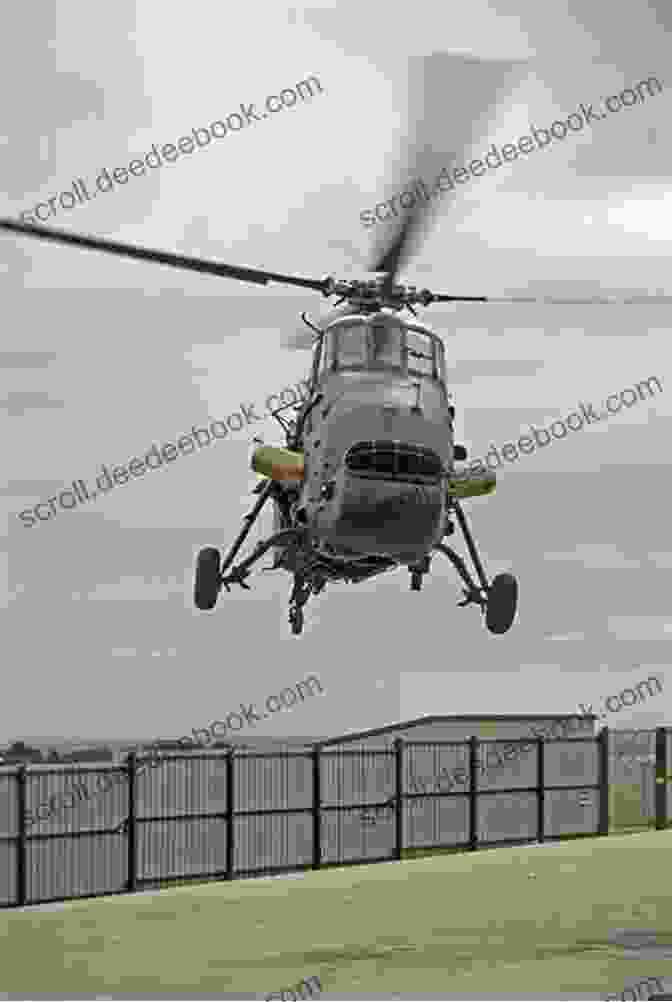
(373, 295)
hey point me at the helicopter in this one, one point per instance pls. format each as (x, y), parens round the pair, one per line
(366, 481)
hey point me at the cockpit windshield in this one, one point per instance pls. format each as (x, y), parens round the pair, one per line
(382, 342)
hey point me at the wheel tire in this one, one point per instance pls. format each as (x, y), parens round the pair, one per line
(207, 583)
(502, 603)
(416, 581)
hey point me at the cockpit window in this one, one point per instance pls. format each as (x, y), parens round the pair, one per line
(328, 352)
(351, 345)
(440, 359)
(420, 353)
(386, 344)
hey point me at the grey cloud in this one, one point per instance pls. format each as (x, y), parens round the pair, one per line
(26, 359)
(54, 97)
(18, 402)
(30, 488)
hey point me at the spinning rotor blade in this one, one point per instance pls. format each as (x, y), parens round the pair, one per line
(552, 300)
(589, 301)
(255, 275)
(451, 98)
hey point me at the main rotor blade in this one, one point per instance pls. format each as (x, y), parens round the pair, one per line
(255, 275)
(451, 98)
(587, 301)
(550, 300)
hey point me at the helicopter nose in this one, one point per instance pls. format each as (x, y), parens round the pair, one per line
(388, 517)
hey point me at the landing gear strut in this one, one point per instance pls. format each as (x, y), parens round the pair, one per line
(418, 571)
(297, 600)
(213, 574)
(498, 600)
(296, 620)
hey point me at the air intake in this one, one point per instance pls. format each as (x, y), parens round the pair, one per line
(393, 461)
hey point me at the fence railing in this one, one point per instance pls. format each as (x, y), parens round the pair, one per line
(246, 813)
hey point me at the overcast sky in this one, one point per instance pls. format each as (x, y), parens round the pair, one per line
(103, 357)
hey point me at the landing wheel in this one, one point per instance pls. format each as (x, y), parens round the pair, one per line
(502, 603)
(296, 620)
(416, 580)
(208, 579)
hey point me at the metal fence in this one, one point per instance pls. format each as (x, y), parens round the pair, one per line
(228, 814)
(636, 771)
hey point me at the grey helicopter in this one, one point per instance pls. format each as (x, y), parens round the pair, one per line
(366, 481)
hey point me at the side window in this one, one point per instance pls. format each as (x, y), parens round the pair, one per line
(441, 361)
(328, 353)
(420, 353)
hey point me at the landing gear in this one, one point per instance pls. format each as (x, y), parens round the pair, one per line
(210, 569)
(296, 620)
(418, 571)
(502, 603)
(300, 595)
(498, 600)
(208, 580)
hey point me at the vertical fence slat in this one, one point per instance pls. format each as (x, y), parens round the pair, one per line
(603, 780)
(230, 812)
(21, 841)
(473, 792)
(399, 801)
(317, 807)
(660, 795)
(645, 802)
(541, 789)
(131, 828)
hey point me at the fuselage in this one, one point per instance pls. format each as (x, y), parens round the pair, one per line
(378, 444)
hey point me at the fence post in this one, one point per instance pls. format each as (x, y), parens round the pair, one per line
(399, 801)
(541, 791)
(660, 796)
(473, 792)
(603, 781)
(21, 847)
(230, 815)
(317, 807)
(131, 828)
